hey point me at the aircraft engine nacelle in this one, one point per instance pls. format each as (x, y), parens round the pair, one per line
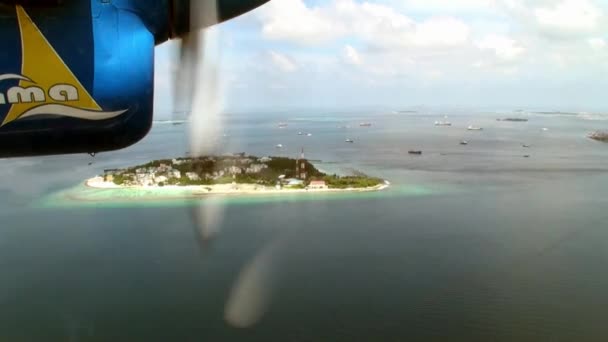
(77, 76)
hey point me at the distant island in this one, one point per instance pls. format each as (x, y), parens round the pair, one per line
(513, 119)
(554, 113)
(234, 173)
(599, 136)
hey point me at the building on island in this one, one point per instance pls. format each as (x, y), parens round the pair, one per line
(317, 184)
(193, 176)
(235, 170)
(160, 179)
(175, 174)
(256, 168)
(294, 182)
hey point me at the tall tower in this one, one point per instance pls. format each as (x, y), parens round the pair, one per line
(301, 166)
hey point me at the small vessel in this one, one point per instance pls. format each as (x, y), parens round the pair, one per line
(525, 145)
(300, 133)
(282, 125)
(349, 140)
(443, 123)
(599, 136)
(417, 152)
(526, 156)
(464, 142)
(365, 124)
(474, 128)
(309, 134)
(544, 129)
(279, 146)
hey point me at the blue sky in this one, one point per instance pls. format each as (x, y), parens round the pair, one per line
(550, 54)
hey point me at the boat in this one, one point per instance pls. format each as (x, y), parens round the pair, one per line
(349, 140)
(443, 123)
(474, 128)
(525, 145)
(464, 142)
(418, 152)
(309, 134)
(599, 136)
(365, 124)
(526, 156)
(279, 146)
(300, 133)
(544, 129)
(282, 125)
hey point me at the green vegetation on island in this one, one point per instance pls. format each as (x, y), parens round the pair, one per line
(238, 168)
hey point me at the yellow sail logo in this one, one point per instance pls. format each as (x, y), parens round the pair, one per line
(46, 84)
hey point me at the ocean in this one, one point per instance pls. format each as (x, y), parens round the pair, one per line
(470, 242)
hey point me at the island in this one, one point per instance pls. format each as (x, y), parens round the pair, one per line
(599, 136)
(233, 173)
(513, 119)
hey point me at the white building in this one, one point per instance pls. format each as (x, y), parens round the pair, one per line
(175, 174)
(317, 184)
(193, 176)
(218, 174)
(294, 182)
(160, 179)
(235, 170)
(256, 168)
(144, 179)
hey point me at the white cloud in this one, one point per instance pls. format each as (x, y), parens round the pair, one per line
(391, 41)
(597, 43)
(376, 24)
(351, 55)
(558, 60)
(435, 74)
(504, 48)
(292, 20)
(283, 62)
(569, 16)
(440, 32)
(565, 19)
(446, 6)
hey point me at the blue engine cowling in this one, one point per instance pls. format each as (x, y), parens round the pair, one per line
(78, 76)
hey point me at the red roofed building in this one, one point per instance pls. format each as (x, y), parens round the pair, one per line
(317, 184)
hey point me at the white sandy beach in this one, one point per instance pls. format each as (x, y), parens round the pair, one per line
(224, 189)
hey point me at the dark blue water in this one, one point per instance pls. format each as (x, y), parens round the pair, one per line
(470, 242)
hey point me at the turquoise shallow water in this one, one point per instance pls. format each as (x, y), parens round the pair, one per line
(81, 196)
(469, 243)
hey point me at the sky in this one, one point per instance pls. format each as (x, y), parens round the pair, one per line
(549, 54)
